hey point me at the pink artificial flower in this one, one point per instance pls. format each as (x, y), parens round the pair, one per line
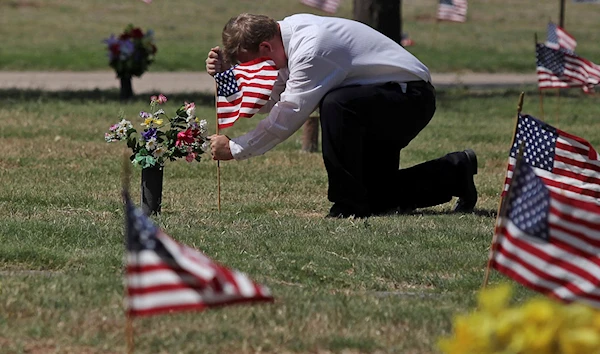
(185, 137)
(191, 156)
(114, 127)
(160, 99)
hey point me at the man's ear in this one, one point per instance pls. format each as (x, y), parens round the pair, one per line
(265, 47)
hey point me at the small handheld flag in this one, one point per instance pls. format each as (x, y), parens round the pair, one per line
(243, 90)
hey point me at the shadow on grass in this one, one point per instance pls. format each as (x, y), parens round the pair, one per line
(477, 212)
(204, 99)
(98, 96)
(490, 91)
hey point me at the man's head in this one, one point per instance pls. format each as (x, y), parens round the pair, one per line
(247, 37)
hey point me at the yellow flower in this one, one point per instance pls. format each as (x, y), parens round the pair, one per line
(471, 335)
(540, 326)
(494, 299)
(148, 121)
(509, 322)
(158, 121)
(580, 340)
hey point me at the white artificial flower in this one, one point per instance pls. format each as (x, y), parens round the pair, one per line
(151, 144)
(191, 112)
(125, 123)
(203, 127)
(121, 132)
(205, 146)
(159, 152)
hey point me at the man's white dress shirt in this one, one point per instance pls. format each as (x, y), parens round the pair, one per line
(324, 53)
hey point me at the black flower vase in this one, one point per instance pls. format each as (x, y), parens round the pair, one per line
(126, 88)
(152, 185)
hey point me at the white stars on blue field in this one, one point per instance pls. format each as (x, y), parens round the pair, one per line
(529, 203)
(540, 142)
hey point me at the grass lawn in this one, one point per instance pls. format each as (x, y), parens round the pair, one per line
(378, 285)
(67, 34)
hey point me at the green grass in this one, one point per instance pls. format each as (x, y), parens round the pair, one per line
(68, 34)
(384, 284)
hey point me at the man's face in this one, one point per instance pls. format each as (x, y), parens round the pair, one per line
(269, 49)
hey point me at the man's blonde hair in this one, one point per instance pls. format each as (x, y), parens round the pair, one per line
(245, 32)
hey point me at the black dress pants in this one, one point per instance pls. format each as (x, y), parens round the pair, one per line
(363, 130)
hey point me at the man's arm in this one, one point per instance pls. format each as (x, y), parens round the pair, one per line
(309, 80)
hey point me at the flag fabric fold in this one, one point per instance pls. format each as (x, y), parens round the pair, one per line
(548, 232)
(452, 10)
(329, 6)
(243, 90)
(559, 38)
(164, 276)
(559, 69)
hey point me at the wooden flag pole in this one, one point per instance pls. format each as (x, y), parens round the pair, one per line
(218, 161)
(541, 104)
(502, 201)
(557, 104)
(125, 178)
(129, 335)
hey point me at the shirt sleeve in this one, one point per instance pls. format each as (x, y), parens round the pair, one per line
(310, 78)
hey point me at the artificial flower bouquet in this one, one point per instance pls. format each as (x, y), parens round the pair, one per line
(131, 52)
(540, 325)
(162, 138)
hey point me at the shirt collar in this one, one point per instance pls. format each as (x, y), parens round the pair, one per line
(286, 35)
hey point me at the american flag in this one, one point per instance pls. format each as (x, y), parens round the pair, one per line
(559, 38)
(329, 6)
(548, 232)
(559, 69)
(452, 10)
(164, 276)
(243, 90)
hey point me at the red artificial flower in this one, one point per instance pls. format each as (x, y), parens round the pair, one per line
(115, 49)
(136, 33)
(185, 137)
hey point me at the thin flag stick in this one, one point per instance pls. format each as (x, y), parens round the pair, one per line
(557, 104)
(125, 178)
(129, 335)
(218, 161)
(502, 201)
(542, 104)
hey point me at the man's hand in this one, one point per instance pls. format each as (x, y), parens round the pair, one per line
(219, 146)
(215, 63)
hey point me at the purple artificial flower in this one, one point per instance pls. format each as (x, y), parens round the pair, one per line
(127, 48)
(145, 115)
(149, 134)
(112, 43)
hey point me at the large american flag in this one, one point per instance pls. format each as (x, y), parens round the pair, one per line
(163, 275)
(243, 90)
(452, 10)
(548, 232)
(559, 69)
(558, 38)
(329, 6)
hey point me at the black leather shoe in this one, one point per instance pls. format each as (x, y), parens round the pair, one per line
(466, 203)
